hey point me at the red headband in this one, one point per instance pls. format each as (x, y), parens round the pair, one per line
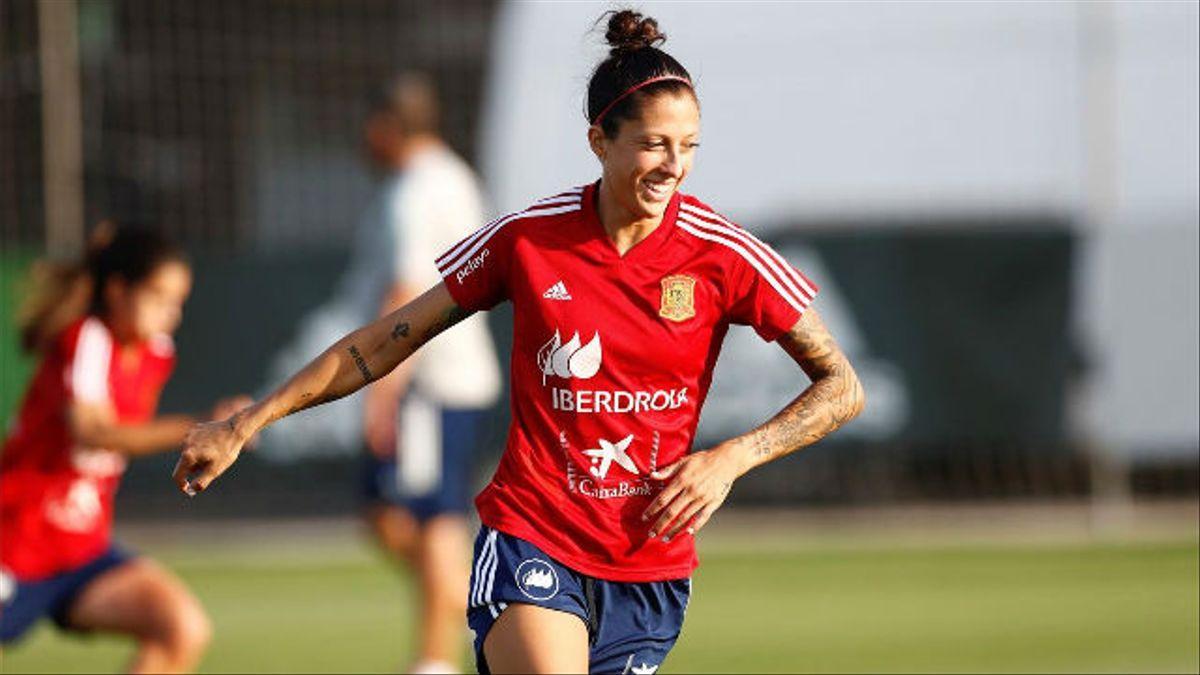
(660, 78)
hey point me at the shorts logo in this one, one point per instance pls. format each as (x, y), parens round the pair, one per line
(570, 359)
(537, 579)
(678, 298)
(644, 669)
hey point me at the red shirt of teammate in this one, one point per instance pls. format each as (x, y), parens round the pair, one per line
(612, 359)
(56, 497)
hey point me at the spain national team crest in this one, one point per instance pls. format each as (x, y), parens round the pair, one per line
(678, 298)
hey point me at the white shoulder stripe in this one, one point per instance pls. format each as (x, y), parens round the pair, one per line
(453, 253)
(782, 266)
(778, 266)
(89, 369)
(483, 236)
(573, 192)
(799, 303)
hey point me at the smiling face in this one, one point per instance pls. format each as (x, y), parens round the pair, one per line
(650, 156)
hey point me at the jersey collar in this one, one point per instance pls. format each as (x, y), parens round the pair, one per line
(644, 248)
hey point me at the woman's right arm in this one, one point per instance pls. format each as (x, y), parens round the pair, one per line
(349, 365)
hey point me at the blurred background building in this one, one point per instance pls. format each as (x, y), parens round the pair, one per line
(998, 199)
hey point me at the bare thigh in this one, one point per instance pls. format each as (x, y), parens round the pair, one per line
(445, 554)
(532, 639)
(140, 599)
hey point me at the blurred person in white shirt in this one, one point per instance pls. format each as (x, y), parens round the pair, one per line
(422, 422)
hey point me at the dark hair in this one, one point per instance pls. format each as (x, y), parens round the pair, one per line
(633, 59)
(412, 98)
(59, 292)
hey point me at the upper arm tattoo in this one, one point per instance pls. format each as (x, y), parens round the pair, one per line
(451, 316)
(811, 345)
(834, 397)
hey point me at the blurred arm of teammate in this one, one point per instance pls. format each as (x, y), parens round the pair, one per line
(699, 483)
(349, 365)
(95, 425)
(383, 397)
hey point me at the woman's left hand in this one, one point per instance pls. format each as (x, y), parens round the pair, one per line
(696, 487)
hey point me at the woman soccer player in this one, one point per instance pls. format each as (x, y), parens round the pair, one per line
(89, 407)
(622, 293)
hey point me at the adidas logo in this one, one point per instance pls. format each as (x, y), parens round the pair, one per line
(557, 292)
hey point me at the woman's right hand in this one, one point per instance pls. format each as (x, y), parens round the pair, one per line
(209, 449)
(350, 364)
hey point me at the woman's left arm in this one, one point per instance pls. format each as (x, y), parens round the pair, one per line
(698, 484)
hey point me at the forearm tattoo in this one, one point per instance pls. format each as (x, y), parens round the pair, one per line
(308, 400)
(402, 330)
(834, 397)
(362, 364)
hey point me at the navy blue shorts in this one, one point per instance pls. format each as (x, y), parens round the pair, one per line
(26, 602)
(431, 472)
(631, 626)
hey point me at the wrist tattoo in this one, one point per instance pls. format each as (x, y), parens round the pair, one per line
(361, 363)
(400, 330)
(307, 400)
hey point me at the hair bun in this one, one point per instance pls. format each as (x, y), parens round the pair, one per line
(629, 31)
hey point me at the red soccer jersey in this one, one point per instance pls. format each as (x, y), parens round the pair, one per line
(612, 358)
(56, 497)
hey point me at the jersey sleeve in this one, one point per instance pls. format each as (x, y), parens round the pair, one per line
(87, 354)
(476, 269)
(768, 294)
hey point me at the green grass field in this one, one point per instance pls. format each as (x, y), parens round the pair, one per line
(964, 608)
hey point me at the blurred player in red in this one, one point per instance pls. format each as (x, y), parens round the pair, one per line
(103, 329)
(417, 477)
(622, 293)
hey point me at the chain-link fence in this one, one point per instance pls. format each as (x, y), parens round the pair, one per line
(235, 125)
